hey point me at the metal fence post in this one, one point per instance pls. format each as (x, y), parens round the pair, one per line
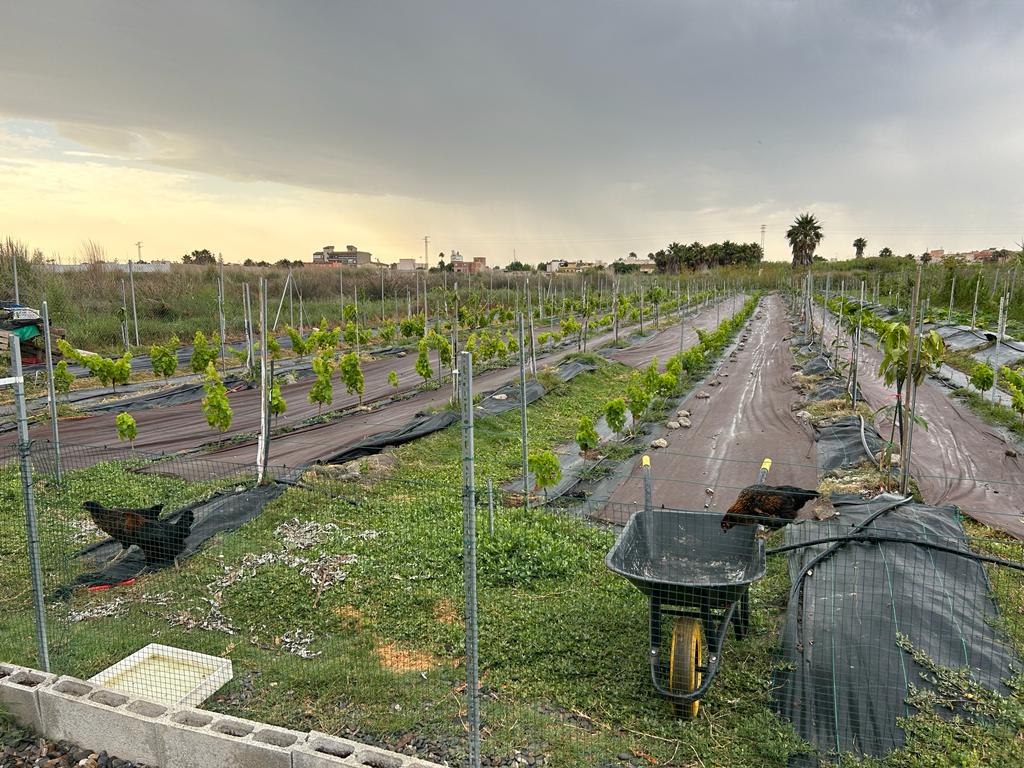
(32, 533)
(135, 314)
(490, 507)
(522, 416)
(52, 392)
(266, 384)
(469, 556)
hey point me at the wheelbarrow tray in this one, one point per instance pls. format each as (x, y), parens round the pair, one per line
(685, 559)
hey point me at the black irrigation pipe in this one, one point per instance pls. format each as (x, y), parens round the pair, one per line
(896, 540)
(821, 557)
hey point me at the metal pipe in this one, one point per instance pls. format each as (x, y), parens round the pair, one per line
(469, 558)
(31, 531)
(522, 416)
(52, 391)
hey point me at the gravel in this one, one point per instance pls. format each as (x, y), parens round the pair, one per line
(20, 750)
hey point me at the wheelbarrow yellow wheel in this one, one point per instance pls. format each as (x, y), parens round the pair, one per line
(686, 658)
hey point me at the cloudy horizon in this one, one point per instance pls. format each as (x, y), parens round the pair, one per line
(572, 129)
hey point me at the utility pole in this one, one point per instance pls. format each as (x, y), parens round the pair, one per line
(131, 281)
(762, 240)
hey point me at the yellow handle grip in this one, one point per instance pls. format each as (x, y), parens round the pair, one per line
(646, 461)
(766, 465)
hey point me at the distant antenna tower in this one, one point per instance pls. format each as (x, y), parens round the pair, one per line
(762, 240)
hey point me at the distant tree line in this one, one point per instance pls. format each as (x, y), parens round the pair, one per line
(697, 256)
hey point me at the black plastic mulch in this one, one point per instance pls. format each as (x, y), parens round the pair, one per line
(845, 678)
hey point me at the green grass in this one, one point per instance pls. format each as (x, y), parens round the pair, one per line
(562, 640)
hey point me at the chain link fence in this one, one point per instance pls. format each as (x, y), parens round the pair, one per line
(337, 594)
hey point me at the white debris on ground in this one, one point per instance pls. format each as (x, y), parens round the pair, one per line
(324, 572)
(661, 442)
(297, 641)
(297, 535)
(115, 608)
(85, 531)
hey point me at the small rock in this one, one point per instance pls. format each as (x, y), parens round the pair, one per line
(401, 354)
(661, 442)
(673, 425)
(703, 395)
(685, 423)
(803, 415)
(683, 412)
(501, 397)
(1011, 453)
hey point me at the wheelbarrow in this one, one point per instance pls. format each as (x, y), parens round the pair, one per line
(693, 571)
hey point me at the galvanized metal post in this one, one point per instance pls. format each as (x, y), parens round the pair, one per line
(974, 309)
(135, 314)
(221, 325)
(952, 290)
(52, 392)
(855, 360)
(266, 385)
(490, 506)
(31, 531)
(124, 317)
(999, 339)
(14, 264)
(522, 416)
(469, 558)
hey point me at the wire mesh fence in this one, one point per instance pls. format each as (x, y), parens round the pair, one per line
(337, 595)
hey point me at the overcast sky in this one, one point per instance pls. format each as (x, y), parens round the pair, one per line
(576, 128)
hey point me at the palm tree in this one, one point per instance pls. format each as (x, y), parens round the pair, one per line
(859, 245)
(885, 252)
(804, 236)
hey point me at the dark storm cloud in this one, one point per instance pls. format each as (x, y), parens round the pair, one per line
(573, 107)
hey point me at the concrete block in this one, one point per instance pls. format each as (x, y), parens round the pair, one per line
(102, 720)
(320, 750)
(19, 693)
(193, 738)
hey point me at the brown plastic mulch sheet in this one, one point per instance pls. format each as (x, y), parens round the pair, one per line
(747, 417)
(958, 459)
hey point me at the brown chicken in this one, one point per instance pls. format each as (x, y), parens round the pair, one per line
(161, 542)
(768, 505)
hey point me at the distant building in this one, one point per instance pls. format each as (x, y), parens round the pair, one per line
(466, 267)
(408, 265)
(646, 266)
(350, 257)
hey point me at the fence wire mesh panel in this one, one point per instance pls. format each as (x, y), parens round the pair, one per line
(331, 599)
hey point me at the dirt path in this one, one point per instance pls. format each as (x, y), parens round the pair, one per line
(747, 418)
(959, 459)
